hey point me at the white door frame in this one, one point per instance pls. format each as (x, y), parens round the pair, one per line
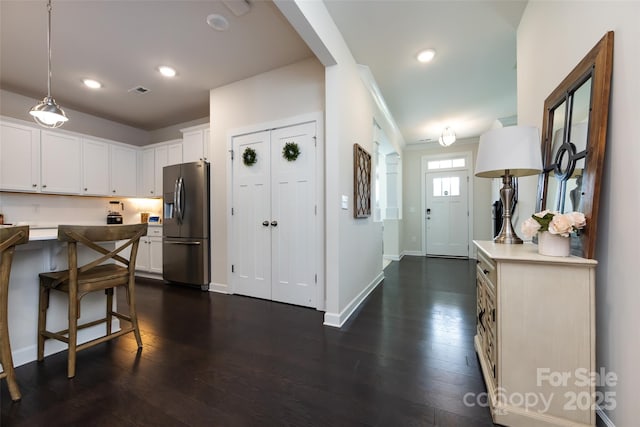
(320, 193)
(468, 156)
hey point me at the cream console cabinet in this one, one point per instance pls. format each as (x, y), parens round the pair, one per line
(536, 335)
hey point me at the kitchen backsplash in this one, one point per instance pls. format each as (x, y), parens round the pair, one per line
(45, 210)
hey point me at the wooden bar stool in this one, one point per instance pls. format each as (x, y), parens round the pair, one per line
(9, 238)
(109, 270)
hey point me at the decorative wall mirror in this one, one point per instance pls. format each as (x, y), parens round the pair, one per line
(574, 135)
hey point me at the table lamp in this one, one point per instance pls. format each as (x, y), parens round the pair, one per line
(508, 152)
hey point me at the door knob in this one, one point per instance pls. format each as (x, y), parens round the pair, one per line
(265, 223)
(274, 223)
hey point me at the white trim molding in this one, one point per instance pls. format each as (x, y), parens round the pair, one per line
(336, 320)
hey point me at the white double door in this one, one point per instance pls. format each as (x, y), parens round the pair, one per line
(275, 216)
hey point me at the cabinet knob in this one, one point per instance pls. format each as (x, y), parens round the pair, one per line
(151, 191)
(485, 271)
(85, 188)
(114, 191)
(265, 223)
(44, 185)
(34, 185)
(274, 223)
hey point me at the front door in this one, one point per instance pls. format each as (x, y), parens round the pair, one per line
(274, 220)
(447, 213)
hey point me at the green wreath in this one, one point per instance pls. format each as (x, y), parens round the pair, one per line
(249, 156)
(290, 151)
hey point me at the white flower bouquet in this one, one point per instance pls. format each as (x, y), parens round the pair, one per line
(553, 222)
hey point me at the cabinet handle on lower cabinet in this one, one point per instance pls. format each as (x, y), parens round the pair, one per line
(34, 185)
(44, 185)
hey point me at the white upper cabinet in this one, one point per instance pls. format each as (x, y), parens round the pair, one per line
(168, 154)
(123, 171)
(195, 143)
(155, 158)
(19, 158)
(148, 176)
(95, 167)
(61, 162)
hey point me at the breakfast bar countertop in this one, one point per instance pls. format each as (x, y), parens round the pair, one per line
(51, 233)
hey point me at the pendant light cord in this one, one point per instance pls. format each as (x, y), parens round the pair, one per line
(49, 49)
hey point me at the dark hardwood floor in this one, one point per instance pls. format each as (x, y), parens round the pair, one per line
(406, 358)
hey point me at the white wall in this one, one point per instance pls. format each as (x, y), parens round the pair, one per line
(353, 246)
(552, 38)
(18, 107)
(285, 92)
(412, 189)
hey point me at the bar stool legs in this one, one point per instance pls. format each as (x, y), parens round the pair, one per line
(9, 238)
(5, 349)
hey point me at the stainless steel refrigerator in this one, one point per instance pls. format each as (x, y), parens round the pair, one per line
(185, 244)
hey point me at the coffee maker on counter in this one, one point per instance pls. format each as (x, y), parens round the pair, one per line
(115, 212)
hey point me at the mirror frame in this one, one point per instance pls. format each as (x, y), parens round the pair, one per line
(597, 65)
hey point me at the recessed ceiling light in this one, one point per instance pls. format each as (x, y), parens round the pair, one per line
(426, 55)
(93, 84)
(167, 71)
(218, 22)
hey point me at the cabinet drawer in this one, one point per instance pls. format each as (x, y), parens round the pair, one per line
(486, 267)
(154, 231)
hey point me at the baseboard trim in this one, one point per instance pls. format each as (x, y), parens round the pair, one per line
(603, 416)
(413, 253)
(336, 320)
(220, 288)
(393, 257)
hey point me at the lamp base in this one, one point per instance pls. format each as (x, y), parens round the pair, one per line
(507, 233)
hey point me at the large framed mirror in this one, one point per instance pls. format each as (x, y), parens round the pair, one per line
(574, 135)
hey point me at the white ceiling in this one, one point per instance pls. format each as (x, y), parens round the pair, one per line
(471, 82)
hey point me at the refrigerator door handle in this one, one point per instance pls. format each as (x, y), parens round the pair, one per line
(183, 243)
(180, 196)
(176, 205)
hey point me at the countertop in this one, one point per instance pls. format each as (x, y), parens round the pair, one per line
(38, 233)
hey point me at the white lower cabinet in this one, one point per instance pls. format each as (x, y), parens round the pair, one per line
(150, 251)
(536, 335)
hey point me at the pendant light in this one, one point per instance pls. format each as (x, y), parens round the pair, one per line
(447, 137)
(47, 113)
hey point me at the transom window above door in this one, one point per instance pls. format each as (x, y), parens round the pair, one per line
(446, 164)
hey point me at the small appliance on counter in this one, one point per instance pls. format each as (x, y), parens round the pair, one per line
(115, 212)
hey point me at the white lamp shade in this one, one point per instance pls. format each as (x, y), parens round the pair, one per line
(513, 148)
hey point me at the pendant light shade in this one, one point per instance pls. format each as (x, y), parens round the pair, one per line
(47, 113)
(447, 137)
